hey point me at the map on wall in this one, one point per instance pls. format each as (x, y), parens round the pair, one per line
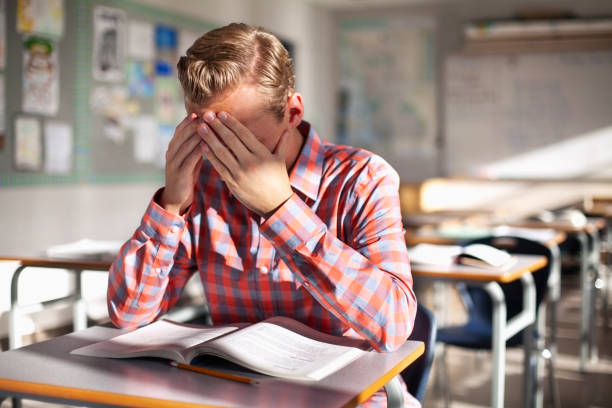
(387, 96)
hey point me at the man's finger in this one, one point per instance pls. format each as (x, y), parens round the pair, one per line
(218, 165)
(178, 157)
(180, 136)
(220, 151)
(228, 137)
(244, 134)
(193, 157)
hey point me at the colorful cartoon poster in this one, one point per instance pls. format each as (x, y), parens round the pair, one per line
(44, 17)
(108, 46)
(141, 44)
(40, 77)
(165, 44)
(168, 100)
(140, 79)
(28, 149)
(58, 147)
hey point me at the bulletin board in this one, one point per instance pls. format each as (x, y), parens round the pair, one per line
(501, 106)
(118, 95)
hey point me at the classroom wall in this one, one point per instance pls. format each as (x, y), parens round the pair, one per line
(39, 216)
(35, 217)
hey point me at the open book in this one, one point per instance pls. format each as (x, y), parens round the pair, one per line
(278, 346)
(474, 255)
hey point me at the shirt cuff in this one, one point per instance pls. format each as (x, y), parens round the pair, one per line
(161, 225)
(293, 225)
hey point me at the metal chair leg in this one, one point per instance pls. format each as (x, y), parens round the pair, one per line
(552, 382)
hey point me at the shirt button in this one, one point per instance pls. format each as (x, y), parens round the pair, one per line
(264, 270)
(174, 229)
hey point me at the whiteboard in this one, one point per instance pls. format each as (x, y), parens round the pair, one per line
(498, 107)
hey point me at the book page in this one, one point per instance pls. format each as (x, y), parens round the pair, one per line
(432, 254)
(163, 338)
(271, 349)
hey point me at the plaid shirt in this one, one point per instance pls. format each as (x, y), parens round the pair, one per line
(332, 256)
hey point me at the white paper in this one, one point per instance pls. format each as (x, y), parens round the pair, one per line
(108, 51)
(58, 147)
(141, 44)
(40, 77)
(146, 145)
(28, 149)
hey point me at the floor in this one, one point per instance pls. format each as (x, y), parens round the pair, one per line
(469, 371)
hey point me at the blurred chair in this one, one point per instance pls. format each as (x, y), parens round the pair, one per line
(416, 374)
(477, 332)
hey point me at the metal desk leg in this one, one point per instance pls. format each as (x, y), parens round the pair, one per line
(594, 258)
(14, 335)
(530, 360)
(554, 294)
(498, 344)
(395, 396)
(585, 291)
(79, 306)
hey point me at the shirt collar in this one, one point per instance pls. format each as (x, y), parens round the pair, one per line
(308, 169)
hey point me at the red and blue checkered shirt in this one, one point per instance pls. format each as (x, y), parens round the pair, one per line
(333, 256)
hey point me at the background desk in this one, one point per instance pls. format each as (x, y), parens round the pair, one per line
(46, 371)
(502, 329)
(589, 241)
(77, 266)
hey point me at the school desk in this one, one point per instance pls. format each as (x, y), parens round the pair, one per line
(46, 371)
(76, 266)
(490, 278)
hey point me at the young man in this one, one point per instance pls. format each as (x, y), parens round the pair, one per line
(275, 220)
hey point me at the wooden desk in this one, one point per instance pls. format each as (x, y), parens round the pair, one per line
(76, 266)
(502, 329)
(46, 371)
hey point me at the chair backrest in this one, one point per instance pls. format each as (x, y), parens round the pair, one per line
(481, 306)
(417, 374)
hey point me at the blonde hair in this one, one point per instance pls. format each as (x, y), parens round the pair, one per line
(223, 58)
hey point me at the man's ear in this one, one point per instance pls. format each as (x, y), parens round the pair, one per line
(295, 109)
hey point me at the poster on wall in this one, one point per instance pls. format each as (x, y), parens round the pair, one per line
(58, 147)
(108, 44)
(140, 79)
(2, 128)
(40, 77)
(140, 40)
(2, 33)
(168, 101)
(44, 17)
(28, 146)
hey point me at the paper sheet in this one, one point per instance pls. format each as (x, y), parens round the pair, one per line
(28, 149)
(58, 147)
(41, 16)
(141, 44)
(146, 144)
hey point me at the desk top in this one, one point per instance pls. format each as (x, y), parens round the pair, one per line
(43, 261)
(593, 224)
(47, 371)
(524, 264)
